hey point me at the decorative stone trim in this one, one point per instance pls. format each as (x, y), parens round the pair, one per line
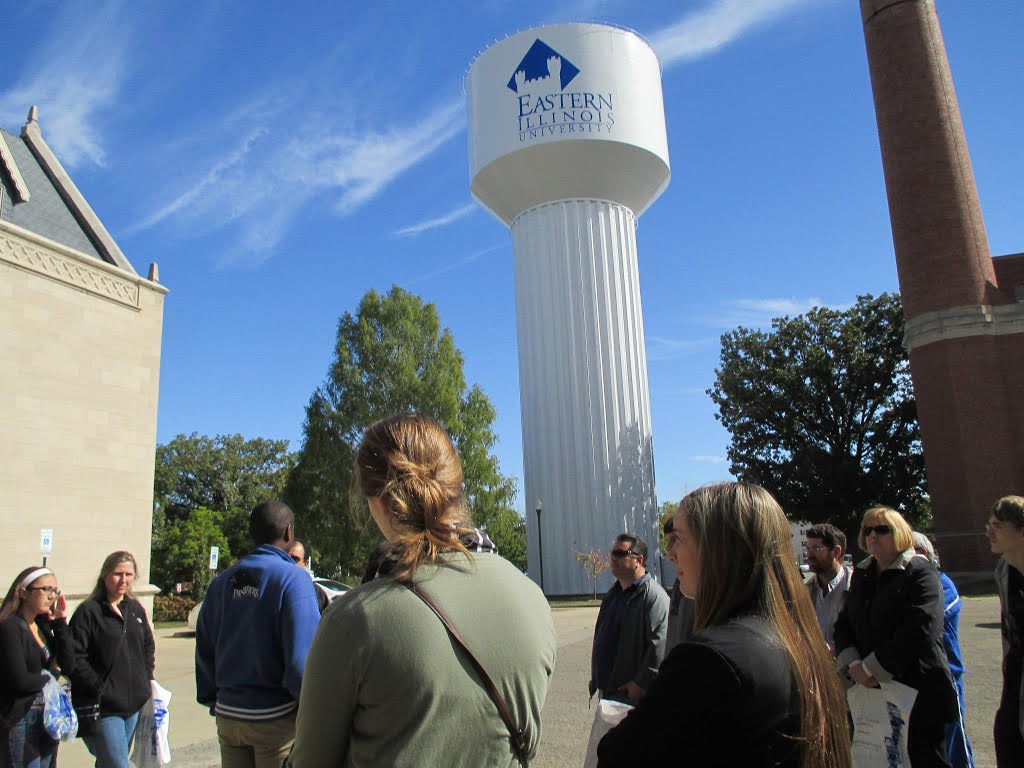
(961, 322)
(21, 192)
(28, 251)
(72, 197)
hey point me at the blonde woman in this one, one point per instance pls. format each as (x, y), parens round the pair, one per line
(115, 659)
(33, 640)
(754, 686)
(891, 629)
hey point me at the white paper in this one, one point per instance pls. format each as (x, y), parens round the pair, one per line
(881, 717)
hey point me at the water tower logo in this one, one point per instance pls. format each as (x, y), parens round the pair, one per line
(545, 108)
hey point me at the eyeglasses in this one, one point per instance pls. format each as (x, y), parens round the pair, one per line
(881, 530)
(295, 558)
(820, 548)
(623, 553)
(48, 590)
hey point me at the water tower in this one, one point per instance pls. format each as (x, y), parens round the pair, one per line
(567, 146)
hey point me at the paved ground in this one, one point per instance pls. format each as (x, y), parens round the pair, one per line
(567, 716)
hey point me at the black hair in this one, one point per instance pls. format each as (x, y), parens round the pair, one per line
(269, 522)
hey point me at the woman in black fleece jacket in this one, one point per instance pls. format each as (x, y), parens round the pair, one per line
(115, 659)
(33, 638)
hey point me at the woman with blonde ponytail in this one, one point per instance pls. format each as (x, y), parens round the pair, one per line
(385, 682)
(755, 685)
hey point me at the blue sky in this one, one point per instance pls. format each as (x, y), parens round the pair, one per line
(277, 165)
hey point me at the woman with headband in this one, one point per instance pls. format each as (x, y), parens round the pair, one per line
(33, 640)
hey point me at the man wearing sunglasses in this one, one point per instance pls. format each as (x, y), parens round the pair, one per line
(629, 638)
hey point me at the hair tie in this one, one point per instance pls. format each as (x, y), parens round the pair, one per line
(33, 576)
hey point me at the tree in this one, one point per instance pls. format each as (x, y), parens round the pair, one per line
(821, 412)
(593, 561)
(226, 474)
(391, 356)
(184, 549)
(507, 530)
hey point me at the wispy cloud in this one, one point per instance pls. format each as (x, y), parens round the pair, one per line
(703, 32)
(759, 313)
(453, 265)
(260, 184)
(81, 74)
(709, 459)
(662, 348)
(438, 221)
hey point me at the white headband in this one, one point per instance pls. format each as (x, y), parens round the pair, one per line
(33, 576)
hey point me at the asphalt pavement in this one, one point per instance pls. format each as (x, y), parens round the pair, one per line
(567, 715)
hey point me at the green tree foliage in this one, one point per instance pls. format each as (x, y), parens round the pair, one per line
(227, 475)
(391, 356)
(184, 550)
(821, 412)
(507, 530)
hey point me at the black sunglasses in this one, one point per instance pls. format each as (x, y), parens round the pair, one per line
(881, 530)
(624, 553)
(295, 558)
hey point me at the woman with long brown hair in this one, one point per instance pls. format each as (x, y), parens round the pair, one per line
(385, 683)
(116, 655)
(755, 684)
(33, 641)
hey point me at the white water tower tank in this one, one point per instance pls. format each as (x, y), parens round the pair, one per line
(567, 146)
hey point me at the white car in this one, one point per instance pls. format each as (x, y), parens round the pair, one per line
(333, 590)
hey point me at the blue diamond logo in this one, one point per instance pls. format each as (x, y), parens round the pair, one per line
(543, 63)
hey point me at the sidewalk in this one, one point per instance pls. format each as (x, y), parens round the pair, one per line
(567, 716)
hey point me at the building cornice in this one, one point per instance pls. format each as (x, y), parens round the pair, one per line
(962, 322)
(26, 250)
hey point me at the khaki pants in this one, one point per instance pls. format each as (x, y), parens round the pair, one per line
(262, 744)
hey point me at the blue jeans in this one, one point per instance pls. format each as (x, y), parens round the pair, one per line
(27, 744)
(112, 741)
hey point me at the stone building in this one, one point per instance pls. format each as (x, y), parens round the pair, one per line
(79, 374)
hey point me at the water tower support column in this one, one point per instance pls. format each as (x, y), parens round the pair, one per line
(583, 380)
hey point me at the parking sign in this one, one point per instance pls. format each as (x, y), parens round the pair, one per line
(46, 541)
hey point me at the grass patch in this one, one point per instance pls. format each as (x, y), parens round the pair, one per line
(574, 601)
(170, 624)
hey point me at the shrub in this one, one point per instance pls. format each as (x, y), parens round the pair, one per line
(172, 608)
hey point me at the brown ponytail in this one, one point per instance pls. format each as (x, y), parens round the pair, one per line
(409, 462)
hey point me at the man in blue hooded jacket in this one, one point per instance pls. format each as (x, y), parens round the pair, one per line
(252, 638)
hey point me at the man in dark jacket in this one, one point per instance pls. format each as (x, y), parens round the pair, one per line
(629, 638)
(252, 639)
(1005, 530)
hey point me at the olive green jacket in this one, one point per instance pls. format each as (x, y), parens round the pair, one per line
(386, 686)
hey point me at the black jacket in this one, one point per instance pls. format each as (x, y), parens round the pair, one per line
(722, 699)
(21, 662)
(99, 646)
(892, 621)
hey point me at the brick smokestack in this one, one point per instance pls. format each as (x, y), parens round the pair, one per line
(962, 331)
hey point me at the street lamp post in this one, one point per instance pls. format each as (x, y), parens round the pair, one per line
(540, 546)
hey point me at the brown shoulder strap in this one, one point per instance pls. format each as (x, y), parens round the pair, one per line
(515, 733)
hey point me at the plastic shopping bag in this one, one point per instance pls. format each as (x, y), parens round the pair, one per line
(152, 748)
(59, 716)
(880, 720)
(609, 714)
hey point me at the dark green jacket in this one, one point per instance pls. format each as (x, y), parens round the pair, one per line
(642, 634)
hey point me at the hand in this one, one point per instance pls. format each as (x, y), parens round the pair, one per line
(59, 608)
(632, 690)
(861, 677)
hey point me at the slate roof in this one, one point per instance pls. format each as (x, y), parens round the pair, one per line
(45, 212)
